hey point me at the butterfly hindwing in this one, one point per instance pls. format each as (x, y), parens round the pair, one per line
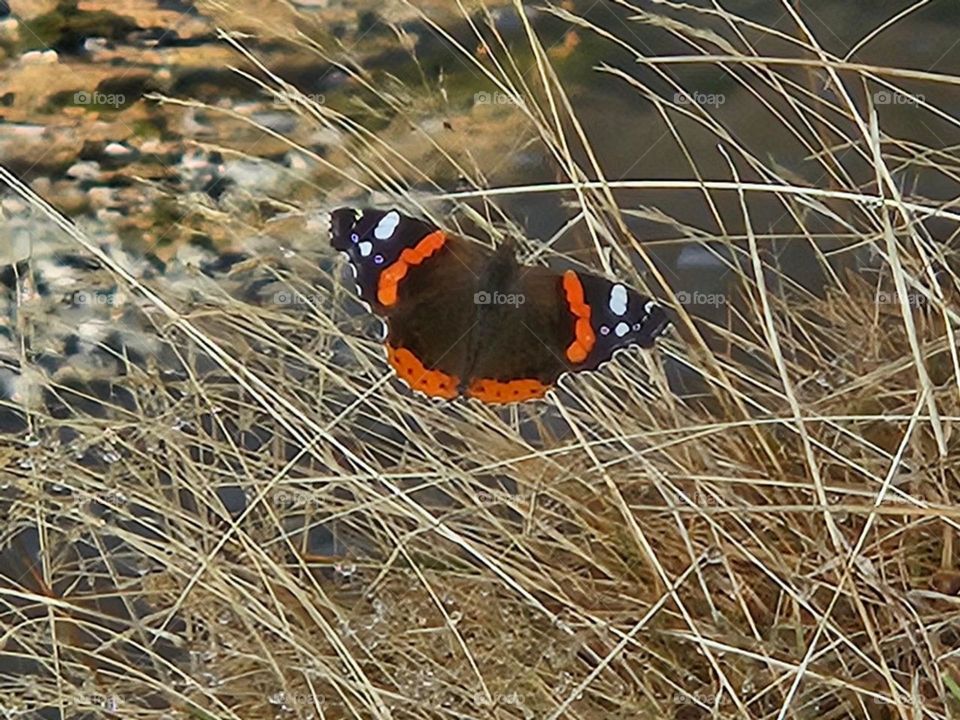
(435, 319)
(544, 324)
(518, 341)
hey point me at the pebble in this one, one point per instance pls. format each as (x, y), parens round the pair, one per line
(84, 170)
(39, 57)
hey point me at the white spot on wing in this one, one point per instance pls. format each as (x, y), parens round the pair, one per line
(618, 300)
(648, 308)
(621, 329)
(388, 223)
(366, 247)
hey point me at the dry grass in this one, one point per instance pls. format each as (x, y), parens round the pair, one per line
(757, 520)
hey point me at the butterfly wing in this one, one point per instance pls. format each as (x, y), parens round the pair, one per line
(559, 322)
(374, 241)
(422, 281)
(609, 316)
(520, 334)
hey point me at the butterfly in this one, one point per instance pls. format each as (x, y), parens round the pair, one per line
(465, 320)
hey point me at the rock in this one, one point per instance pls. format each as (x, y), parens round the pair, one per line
(9, 28)
(247, 107)
(194, 124)
(324, 137)
(11, 206)
(84, 170)
(101, 197)
(22, 131)
(298, 162)
(120, 153)
(433, 126)
(29, 9)
(108, 217)
(95, 44)
(254, 175)
(39, 57)
(507, 21)
(42, 186)
(70, 197)
(280, 122)
(195, 160)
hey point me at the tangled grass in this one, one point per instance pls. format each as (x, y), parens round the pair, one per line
(756, 520)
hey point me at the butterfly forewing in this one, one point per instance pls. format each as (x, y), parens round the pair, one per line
(619, 317)
(423, 287)
(374, 241)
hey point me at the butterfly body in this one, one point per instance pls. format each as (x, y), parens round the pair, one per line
(463, 320)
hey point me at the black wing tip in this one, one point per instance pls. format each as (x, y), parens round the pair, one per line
(656, 324)
(342, 221)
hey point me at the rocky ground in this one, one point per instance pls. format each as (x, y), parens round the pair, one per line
(83, 120)
(179, 156)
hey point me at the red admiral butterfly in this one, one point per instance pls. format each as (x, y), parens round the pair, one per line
(465, 320)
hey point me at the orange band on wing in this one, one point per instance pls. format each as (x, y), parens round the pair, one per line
(416, 375)
(494, 391)
(583, 336)
(390, 278)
